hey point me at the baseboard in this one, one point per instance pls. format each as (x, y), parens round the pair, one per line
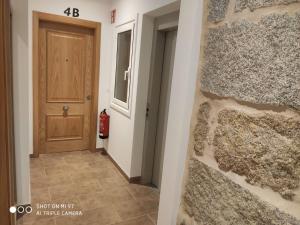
(132, 180)
(135, 180)
(102, 150)
(37, 155)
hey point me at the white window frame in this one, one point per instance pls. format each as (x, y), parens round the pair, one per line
(118, 105)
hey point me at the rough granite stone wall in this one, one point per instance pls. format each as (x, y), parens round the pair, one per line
(201, 128)
(265, 149)
(255, 62)
(213, 199)
(244, 155)
(255, 4)
(217, 10)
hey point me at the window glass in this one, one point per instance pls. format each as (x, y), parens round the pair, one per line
(122, 66)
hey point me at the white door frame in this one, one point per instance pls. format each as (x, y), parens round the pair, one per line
(180, 109)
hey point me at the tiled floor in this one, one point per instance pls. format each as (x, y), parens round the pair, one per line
(90, 184)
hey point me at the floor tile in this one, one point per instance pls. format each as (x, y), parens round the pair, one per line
(52, 162)
(153, 216)
(112, 182)
(58, 179)
(42, 221)
(87, 187)
(117, 195)
(89, 183)
(62, 191)
(40, 195)
(144, 220)
(39, 182)
(105, 163)
(37, 172)
(149, 203)
(130, 209)
(36, 163)
(94, 200)
(142, 191)
(35, 218)
(100, 216)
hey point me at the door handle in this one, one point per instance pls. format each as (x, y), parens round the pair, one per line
(126, 74)
(147, 110)
(65, 109)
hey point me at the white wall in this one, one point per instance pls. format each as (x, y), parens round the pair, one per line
(121, 142)
(94, 10)
(21, 98)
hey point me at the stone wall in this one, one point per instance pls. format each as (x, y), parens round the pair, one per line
(255, 62)
(265, 149)
(218, 200)
(244, 153)
(255, 4)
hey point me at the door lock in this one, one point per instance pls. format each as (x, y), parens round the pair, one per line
(65, 109)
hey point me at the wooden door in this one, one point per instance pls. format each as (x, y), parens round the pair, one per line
(65, 86)
(7, 171)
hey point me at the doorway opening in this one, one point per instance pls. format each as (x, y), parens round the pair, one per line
(160, 80)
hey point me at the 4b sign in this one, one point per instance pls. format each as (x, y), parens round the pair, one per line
(72, 11)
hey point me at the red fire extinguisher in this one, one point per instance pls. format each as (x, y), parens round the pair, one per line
(104, 125)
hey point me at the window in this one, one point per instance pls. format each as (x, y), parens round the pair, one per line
(122, 82)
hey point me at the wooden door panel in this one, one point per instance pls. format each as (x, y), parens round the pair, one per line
(66, 55)
(57, 108)
(65, 80)
(61, 128)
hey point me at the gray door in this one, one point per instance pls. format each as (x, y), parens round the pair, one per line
(165, 89)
